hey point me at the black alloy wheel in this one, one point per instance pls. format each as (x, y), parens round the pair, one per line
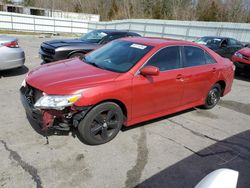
(101, 124)
(213, 97)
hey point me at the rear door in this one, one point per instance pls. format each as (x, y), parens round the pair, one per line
(199, 72)
(155, 94)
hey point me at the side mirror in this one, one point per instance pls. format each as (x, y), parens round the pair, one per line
(247, 45)
(150, 71)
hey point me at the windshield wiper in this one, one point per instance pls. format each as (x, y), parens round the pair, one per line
(98, 66)
(91, 63)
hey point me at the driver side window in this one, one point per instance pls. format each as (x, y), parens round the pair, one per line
(112, 37)
(166, 59)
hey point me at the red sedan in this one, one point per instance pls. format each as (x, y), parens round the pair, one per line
(241, 60)
(125, 82)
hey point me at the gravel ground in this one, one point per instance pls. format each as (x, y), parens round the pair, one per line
(173, 151)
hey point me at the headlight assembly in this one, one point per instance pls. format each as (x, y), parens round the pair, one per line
(238, 54)
(57, 102)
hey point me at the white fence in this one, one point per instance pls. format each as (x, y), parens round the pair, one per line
(23, 22)
(187, 30)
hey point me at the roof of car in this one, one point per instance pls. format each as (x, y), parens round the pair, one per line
(152, 41)
(112, 31)
(216, 37)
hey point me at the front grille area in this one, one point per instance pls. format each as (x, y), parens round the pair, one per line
(48, 50)
(31, 94)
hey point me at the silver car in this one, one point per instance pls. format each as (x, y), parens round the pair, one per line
(11, 55)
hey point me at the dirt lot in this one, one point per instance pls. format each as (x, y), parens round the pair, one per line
(173, 151)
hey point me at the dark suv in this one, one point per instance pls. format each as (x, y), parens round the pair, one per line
(55, 50)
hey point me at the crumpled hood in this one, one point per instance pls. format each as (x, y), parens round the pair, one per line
(68, 76)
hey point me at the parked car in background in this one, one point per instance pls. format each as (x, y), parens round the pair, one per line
(55, 50)
(125, 82)
(241, 60)
(11, 55)
(226, 47)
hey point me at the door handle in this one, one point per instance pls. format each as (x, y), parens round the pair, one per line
(179, 77)
(214, 69)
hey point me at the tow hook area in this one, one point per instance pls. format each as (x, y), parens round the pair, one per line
(79, 116)
(62, 120)
(48, 118)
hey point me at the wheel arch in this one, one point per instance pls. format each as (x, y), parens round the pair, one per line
(119, 103)
(76, 51)
(222, 84)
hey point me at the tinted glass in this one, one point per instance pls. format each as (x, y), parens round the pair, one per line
(209, 41)
(209, 59)
(224, 43)
(232, 42)
(166, 59)
(193, 56)
(117, 56)
(112, 37)
(94, 36)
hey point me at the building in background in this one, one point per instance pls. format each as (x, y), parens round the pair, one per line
(16, 8)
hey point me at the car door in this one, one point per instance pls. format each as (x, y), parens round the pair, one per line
(198, 73)
(154, 94)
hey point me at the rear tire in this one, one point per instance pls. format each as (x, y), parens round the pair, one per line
(213, 97)
(101, 124)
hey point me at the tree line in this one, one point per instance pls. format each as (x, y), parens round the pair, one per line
(201, 10)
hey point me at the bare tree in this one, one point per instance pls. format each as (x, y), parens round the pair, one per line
(206, 10)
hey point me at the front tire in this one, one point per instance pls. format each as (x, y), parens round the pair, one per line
(101, 124)
(237, 71)
(79, 55)
(213, 97)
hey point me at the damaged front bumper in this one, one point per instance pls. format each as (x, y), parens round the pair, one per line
(49, 118)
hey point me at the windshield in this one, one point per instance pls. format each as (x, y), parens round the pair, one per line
(94, 36)
(209, 41)
(117, 56)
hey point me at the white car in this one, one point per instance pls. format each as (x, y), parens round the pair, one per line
(221, 178)
(11, 55)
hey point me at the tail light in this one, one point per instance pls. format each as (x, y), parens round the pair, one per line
(12, 44)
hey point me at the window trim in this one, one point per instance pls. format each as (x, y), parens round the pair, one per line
(215, 62)
(204, 51)
(182, 59)
(145, 63)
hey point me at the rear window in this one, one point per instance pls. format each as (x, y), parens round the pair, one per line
(193, 56)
